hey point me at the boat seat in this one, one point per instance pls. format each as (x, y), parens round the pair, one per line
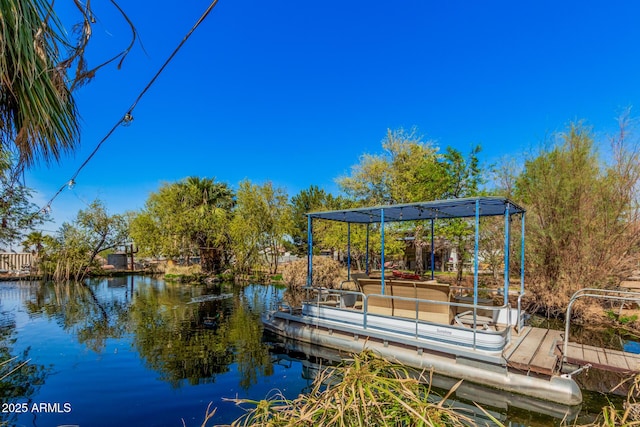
(370, 286)
(431, 311)
(630, 285)
(378, 304)
(410, 292)
(403, 307)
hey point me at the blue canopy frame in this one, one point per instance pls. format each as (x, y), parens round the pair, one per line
(472, 207)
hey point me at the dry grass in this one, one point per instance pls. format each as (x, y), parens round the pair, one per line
(363, 391)
(326, 272)
(183, 270)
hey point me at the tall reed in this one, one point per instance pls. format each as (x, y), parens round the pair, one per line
(363, 391)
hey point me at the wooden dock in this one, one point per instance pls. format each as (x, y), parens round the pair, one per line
(535, 350)
(603, 358)
(539, 351)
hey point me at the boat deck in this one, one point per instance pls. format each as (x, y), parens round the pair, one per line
(535, 350)
(539, 351)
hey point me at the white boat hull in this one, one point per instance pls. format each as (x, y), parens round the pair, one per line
(446, 349)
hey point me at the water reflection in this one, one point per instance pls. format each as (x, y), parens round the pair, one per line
(77, 309)
(181, 340)
(195, 342)
(19, 378)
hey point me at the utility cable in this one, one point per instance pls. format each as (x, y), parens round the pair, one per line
(128, 116)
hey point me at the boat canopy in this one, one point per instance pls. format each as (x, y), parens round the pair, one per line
(471, 207)
(438, 209)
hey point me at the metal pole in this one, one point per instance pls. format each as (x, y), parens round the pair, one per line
(475, 257)
(309, 251)
(607, 294)
(475, 272)
(382, 248)
(348, 251)
(522, 257)
(433, 256)
(567, 322)
(366, 266)
(506, 253)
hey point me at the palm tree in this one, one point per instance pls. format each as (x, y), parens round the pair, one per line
(38, 117)
(207, 205)
(33, 242)
(37, 111)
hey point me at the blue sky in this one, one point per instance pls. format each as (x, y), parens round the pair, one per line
(295, 92)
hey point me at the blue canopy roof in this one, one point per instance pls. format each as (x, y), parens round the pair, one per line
(438, 209)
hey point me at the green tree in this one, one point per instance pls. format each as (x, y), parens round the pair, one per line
(33, 242)
(313, 199)
(37, 110)
(100, 230)
(582, 216)
(408, 170)
(411, 170)
(157, 229)
(17, 213)
(417, 170)
(463, 180)
(206, 207)
(186, 217)
(262, 220)
(78, 243)
(147, 235)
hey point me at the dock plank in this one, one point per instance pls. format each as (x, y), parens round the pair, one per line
(525, 352)
(601, 358)
(616, 360)
(574, 352)
(539, 351)
(592, 355)
(633, 361)
(546, 358)
(515, 342)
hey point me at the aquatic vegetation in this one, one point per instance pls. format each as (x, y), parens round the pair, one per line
(626, 416)
(362, 391)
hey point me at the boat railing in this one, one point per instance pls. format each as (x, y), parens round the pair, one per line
(335, 297)
(461, 292)
(282, 306)
(605, 294)
(462, 307)
(476, 318)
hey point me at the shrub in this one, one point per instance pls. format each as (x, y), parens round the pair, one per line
(326, 272)
(183, 270)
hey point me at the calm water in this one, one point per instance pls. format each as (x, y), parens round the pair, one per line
(139, 351)
(136, 351)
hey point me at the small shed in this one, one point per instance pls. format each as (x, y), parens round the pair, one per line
(118, 260)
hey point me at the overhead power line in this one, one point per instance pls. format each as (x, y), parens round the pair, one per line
(127, 118)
